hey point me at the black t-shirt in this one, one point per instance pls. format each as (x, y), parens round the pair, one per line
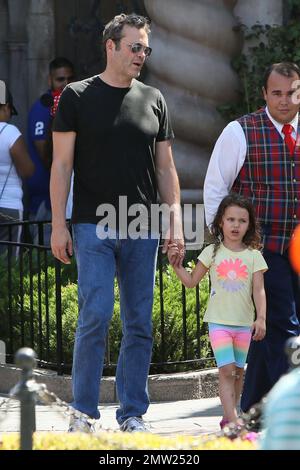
(117, 129)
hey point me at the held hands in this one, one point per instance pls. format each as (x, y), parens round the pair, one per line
(61, 244)
(173, 252)
(176, 252)
(174, 236)
(258, 329)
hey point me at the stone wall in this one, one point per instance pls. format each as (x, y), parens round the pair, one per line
(193, 44)
(251, 11)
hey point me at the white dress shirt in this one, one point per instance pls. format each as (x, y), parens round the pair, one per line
(226, 162)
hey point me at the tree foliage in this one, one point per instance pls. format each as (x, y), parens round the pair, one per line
(267, 44)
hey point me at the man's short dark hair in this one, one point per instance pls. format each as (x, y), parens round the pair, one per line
(60, 62)
(114, 29)
(287, 69)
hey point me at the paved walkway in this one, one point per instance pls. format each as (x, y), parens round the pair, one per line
(189, 417)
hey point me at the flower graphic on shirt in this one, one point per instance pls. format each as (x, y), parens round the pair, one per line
(232, 274)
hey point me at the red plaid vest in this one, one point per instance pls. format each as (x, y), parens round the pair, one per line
(270, 177)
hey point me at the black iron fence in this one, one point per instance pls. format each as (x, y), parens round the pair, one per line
(38, 309)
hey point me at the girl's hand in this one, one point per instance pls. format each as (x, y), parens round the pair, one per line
(258, 329)
(173, 252)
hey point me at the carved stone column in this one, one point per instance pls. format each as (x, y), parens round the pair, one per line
(17, 53)
(3, 40)
(41, 45)
(193, 42)
(18, 81)
(252, 11)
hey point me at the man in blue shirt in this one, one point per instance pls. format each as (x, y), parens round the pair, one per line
(61, 72)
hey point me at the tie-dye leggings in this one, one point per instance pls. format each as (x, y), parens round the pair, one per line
(229, 343)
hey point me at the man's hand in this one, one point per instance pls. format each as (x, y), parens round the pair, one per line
(173, 252)
(61, 244)
(178, 257)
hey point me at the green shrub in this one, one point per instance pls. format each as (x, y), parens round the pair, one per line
(43, 324)
(30, 309)
(173, 319)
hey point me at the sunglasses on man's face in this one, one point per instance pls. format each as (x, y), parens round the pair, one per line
(64, 79)
(136, 47)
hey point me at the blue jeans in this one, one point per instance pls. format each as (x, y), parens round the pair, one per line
(98, 261)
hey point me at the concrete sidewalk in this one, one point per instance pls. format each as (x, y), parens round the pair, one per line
(189, 417)
(182, 403)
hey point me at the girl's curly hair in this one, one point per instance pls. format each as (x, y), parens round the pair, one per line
(252, 238)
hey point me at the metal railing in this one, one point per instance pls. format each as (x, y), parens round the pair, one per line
(32, 313)
(33, 232)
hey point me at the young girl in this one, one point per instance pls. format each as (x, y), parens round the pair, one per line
(236, 269)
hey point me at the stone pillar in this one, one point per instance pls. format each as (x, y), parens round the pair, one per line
(193, 42)
(3, 40)
(250, 12)
(41, 45)
(17, 52)
(18, 81)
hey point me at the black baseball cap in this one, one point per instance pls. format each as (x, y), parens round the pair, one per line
(6, 97)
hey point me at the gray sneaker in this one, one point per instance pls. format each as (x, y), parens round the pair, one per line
(134, 424)
(80, 424)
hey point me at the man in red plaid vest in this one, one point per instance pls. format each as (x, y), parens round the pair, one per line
(258, 156)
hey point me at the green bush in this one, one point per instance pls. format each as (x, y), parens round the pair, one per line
(173, 319)
(27, 314)
(43, 324)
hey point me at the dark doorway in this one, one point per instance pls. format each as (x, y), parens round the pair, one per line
(79, 25)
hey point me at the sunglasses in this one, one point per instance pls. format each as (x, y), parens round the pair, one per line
(64, 79)
(136, 47)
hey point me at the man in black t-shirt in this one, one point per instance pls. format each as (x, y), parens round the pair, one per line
(115, 132)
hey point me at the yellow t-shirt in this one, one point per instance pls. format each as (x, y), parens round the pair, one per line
(231, 276)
